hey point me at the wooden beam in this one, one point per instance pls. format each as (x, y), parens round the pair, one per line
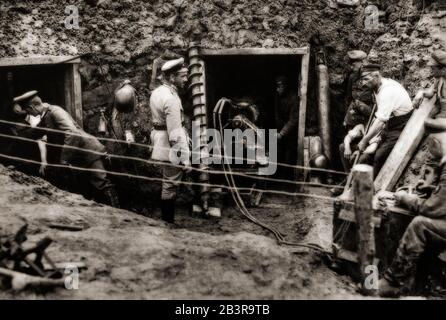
(255, 51)
(77, 95)
(349, 216)
(303, 89)
(404, 148)
(363, 196)
(68, 91)
(352, 256)
(40, 60)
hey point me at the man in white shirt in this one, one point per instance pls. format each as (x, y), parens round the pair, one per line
(394, 108)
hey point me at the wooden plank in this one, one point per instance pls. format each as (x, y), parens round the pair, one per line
(255, 51)
(363, 195)
(38, 60)
(351, 256)
(349, 216)
(404, 148)
(303, 81)
(68, 91)
(306, 158)
(77, 96)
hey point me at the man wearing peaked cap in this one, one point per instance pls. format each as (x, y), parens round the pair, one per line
(438, 121)
(358, 105)
(169, 138)
(427, 229)
(393, 110)
(354, 55)
(174, 66)
(24, 98)
(440, 57)
(54, 117)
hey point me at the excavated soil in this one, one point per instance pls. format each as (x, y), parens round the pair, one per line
(130, 256)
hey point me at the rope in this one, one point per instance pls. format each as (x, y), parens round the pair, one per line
(128, 175)
(241, 205)
(155, 162)
(146, 146)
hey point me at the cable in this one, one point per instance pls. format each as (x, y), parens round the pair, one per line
(241, 205)
(155, 162)
(278, 192)
(145, 146)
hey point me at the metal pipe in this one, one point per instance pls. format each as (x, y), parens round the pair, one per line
(324, 108)
(198, 88)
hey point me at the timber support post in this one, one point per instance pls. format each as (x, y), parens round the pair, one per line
(363, 191)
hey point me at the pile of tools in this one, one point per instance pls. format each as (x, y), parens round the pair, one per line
(23, 267)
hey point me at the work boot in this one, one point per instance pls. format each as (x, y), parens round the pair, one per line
(168, 210)
(338, 191)
(388, 290)
(111, 197)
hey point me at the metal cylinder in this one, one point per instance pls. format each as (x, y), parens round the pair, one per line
(324, 109)
(198, 93)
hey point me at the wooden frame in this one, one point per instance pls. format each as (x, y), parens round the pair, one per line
(304, 52)
(404, 148)
(72, 85)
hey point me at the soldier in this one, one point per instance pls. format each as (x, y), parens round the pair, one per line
(359, 100)
(427, 229)
(286, 118)
(54, 117)
(438, 89)
(394, 108)
(170, 141)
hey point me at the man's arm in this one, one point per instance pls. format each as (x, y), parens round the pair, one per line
(363, 108)
(433, 207)
(376, 127)
(347, 147)
(293, 118)
(43, 156)
(175, 130)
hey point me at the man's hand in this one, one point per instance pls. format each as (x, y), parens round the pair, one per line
(403, 197)
(279, 136)
(398, 196)
(362, 145)
(418, 99)
(187, 167)
(354, 155)
(42, 168)
(347, 153)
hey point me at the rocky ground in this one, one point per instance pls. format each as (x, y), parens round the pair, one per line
(132, 256)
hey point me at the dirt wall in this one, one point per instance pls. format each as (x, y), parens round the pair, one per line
(123, 38)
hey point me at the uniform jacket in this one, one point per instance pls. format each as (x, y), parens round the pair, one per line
(167, 111)
(433, 207)
(287, 113)
(359, 101)
(57, 118)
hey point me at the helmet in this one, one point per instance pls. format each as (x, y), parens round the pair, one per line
(125, 97)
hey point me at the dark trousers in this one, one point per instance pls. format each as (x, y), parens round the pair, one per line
(384, 149)
(364, 158)
(390, 136)
(99, 180)
(420, 233)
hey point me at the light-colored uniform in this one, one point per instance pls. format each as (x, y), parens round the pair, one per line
(170, 142)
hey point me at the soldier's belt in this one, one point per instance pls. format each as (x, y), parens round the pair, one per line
(162, 127)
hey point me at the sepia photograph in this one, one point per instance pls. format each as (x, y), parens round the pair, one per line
(222, 155)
